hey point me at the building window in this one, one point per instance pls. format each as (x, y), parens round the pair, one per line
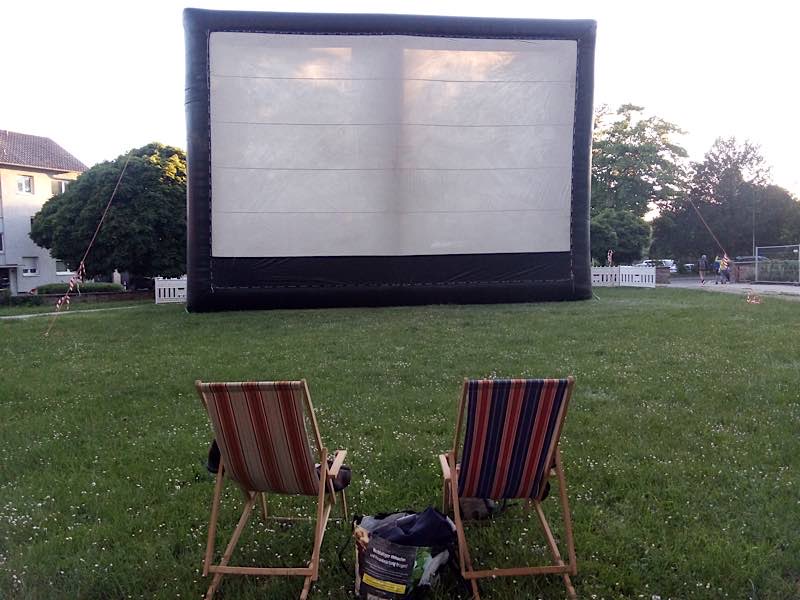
(62, 268)
(59, 186)
(2, 248)
(30, 266)
(25, 184)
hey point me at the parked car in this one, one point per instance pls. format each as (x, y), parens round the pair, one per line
(750, 258)
(668, 262)
(664, 262)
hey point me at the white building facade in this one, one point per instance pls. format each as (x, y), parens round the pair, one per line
(32, 170)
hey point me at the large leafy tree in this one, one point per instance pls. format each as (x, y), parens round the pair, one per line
(144, 231)
(725, 169)
(627, 234)
(636, 165)
(731, 198)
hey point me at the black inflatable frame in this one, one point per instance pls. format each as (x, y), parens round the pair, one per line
(326, 281)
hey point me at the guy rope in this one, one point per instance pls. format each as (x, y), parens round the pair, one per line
(80, 272)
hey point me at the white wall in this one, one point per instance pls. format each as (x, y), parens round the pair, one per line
(16, 210)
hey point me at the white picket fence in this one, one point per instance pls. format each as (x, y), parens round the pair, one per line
(170, 289)
(624, 276)
(174, 289)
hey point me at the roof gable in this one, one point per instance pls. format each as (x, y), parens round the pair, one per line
(23, 150)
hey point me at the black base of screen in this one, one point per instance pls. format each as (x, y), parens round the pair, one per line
(336, 281)
(386, 295)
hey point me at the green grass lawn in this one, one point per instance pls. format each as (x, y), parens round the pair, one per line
(681, 446)
(50, 307)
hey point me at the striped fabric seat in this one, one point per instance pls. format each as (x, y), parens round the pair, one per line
(262, 435)
(512, 430)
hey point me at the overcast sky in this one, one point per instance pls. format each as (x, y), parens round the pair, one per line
(101, 78)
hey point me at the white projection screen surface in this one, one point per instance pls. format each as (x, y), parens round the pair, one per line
(389, 145)
(351, 168)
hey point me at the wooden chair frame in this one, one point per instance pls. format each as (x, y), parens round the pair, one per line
(326, 490)
(450, 499)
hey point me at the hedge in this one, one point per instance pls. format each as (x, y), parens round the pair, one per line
(88, 287)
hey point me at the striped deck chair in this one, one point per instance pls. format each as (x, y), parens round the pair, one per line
(510, 450)
(264, 445)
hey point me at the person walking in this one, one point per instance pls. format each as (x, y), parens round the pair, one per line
(716, 269)
(702, 267)
(725, 269)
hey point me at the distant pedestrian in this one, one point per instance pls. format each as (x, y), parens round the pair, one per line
(716, 269)
(702, 266)
(725, 269)
(610, 258)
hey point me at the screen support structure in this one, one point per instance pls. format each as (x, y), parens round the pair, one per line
(419, 272)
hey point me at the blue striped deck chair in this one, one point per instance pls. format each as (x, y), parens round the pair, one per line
(510, 451)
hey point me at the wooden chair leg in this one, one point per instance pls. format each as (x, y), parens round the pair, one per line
(319, 534)
(465, 561)
(457, 518)
(565, 515)
(263, 506)
(323, 512)
(212, 525)
(570, 588)
(344, 508)
(213, 587)
(226, 557)
(551, 543)
(306, 588)
(447, 474)
(548, 534)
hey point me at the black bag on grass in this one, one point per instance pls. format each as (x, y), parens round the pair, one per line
(399, 555)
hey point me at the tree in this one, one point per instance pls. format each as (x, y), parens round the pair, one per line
(725, 168)
(144, 231)
(635, 163)
(619, 230)
(603, 236)
(730, 197)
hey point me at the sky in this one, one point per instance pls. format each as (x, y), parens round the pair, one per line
(101, 78)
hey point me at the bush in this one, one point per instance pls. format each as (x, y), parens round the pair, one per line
(6, 299)
(88, 287)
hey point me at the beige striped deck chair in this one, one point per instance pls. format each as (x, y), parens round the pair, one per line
(264, 444)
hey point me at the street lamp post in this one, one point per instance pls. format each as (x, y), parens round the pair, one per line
(753, 196)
